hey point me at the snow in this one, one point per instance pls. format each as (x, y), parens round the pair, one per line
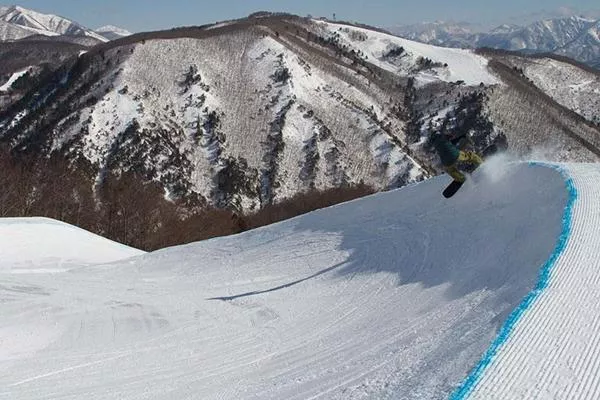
(147, 86)
(111, 32)
(462, 64)
(593, 32)
(568, 85)
(20, 115)
(397, 295)
(21, 20)
(113, 29)
(12, 79)
(121, 113)
(34, 19)
(555, 344)
(40, 245)
(10, 31)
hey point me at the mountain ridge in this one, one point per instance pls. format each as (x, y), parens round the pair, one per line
(320, 104)
(17, 22)
(112, 32)
(574, 36)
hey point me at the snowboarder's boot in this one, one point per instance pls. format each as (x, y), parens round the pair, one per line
(470, 157)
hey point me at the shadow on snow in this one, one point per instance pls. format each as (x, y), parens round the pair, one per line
(496, 232)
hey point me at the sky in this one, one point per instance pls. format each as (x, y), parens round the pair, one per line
(145, 15)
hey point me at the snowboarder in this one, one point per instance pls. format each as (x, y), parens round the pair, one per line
(451, 155)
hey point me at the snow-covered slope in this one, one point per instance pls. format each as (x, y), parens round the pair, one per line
(393, 296)
(13, 78)
(446, 64)
(552, 350)
(574, 88)
(18, 22)
(245, 114)
(9, 31)
(545, 36)
(43, 245)
(586, 47)
(241, 131)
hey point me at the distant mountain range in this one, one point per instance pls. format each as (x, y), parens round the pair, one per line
(18, 23)
(111, 32)
(574, 37)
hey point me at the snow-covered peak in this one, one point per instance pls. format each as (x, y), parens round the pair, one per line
(28, 18)
(112, 32)
(582, 18)
(455, 27)
(25, 20)
(573, 36)
(9, 32)
(33, 19)
(546, 35)
(115, 29)
(438, 32)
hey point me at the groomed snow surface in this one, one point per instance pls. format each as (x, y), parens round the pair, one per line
(31, 243)
(394, 296)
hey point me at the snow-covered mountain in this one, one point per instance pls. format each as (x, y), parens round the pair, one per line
(586, 47)
(401, 295)
(574, 37)
(439, 33)
(39, 43)
(570, 86)
(253, 111)
(111, 32)
(40, 56)
(9, 31)
(17, 22)
(543, 36)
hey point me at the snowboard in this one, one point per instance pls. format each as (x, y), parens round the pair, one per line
(452, 188)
